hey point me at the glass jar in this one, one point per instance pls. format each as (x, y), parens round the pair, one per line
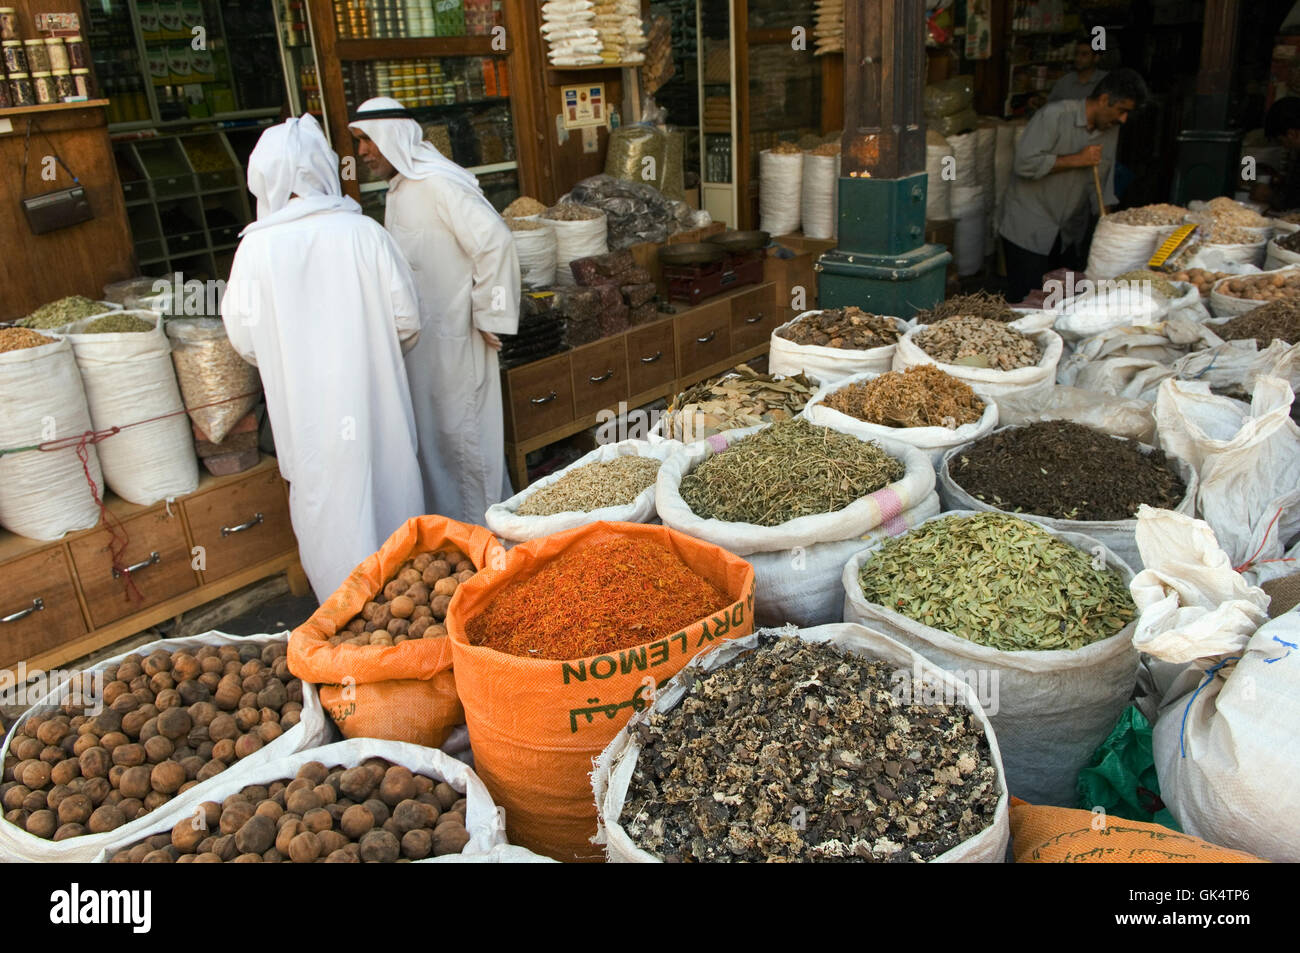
(57, 53)
(81, 82)
(8, 23)
(15, 55)
(78, 55)
(38, 56)
(64, 87)
(20, 90)
(43, 88)
(4, 95)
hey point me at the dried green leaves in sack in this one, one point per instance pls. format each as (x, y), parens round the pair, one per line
(615, 482)
(57, 314)
(1000, 582)
(799, 751)
(785, 471)
(1065, 471)
(741, 399)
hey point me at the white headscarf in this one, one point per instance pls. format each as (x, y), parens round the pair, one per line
(402, 143)
(294, 158)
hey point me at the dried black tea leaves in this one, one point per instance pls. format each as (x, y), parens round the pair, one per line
(798, 751)
(1065, 471)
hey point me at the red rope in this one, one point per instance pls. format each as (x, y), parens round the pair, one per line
(1251, 561)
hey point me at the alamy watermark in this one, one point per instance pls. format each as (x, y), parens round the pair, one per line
(1113, 297)
(916, 686)
(22, 687)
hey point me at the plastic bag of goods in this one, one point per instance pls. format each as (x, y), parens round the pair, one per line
(756, 690)
(44, 494)
(1055, 672)
(949, 96)
(1112, 304)
(1246, 458)
(1223, 742)
(922, 407)
(796, 500)
(126, 368)
(820, 191)
(219, 386)
(615, 482)
(938, 195)
(444, 813)
(580, 233)
(377, 647)
(637, 153)
(1242, 293)
(1127, 239)
(205, 736)
(558, 648)
(635, 212)
(955, 124)
(1069, 478)
(535, 245)
(831, 344)
(780, 188)
(992, 358)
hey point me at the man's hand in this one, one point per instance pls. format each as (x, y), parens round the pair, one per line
(492, 340)
(1088, 156)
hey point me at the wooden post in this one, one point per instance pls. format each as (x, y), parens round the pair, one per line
(884, 79)
(1218, 53)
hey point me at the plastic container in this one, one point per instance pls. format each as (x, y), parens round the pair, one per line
(8, 23)
(38, 57)
(81, 82)
(20, 90)
(15, 56)
(57, 53)
(78, 57)
(43, 88)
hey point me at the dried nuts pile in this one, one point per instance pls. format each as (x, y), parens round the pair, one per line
(413, 603)
(978, 342)
(376, 812)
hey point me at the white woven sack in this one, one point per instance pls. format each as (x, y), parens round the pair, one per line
(1034, 319)
(1239, 365)
(1053, 708)
(1164, 343)
(1114, 415)
(616, 764)
(1188, 306)
(801, 586)
(1117, 248)
(938, 194)
(312, 730)
(1116, 535)
(987, 382)
(129, 378)
(577, 239)
(820, 190)
(537, 250)
(1228, 306)
(1111, 306)
(45, 494)
(1277, 257)
(505, 522)
(933, 441)
(853, 521)
(1218, 257)
(826, 364)
(780, 189)
(1246, 457)
(484, 821)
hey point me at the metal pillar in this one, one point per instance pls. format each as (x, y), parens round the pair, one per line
(882, 262)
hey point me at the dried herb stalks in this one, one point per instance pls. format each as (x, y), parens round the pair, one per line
(921, 396)
(1277, 321)
(998, 581)
(785, 471)
(981, 304)
(615, 482)
(799, 751)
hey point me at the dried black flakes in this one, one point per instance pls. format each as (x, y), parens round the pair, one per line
(801, 752)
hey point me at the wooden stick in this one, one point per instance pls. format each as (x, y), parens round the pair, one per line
(1101, 199)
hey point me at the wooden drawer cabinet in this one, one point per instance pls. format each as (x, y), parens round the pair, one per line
(38, 606)
(241, 524)
(540, 397)
(704, 336)
(753, 318)
(651, 357)
(156, 550)
(599, 376)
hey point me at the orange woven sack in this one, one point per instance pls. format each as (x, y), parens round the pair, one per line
(1059, 835)
(536, 725)
(401, 692)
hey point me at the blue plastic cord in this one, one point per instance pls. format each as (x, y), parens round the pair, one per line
(1209, 677)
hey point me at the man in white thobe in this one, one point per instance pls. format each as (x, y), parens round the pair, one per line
(322, 302)
(467, 272)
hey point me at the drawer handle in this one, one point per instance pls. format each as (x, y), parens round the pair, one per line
(154, 557)
(603, 377)
(707, 338)
(545, 400)
(755, 319)
(232, 530)
(38, 605)
(652, 358)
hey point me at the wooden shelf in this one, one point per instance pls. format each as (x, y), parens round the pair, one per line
(416, 47)
(52, 108)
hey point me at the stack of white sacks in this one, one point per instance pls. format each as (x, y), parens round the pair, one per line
(618, 24)
(570, 31)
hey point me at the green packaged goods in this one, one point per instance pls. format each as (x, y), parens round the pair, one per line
(118, 323)
(56, 314)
